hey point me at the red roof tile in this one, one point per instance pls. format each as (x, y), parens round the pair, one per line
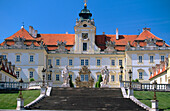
(22, 33)
(51, 39)
(145, 35)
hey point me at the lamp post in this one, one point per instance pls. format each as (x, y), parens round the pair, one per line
(154, 101)
(121, 71)
(20, 100)
(130, 77)
(155, 87)
(130, 89)
(20, 92)
(43, 74)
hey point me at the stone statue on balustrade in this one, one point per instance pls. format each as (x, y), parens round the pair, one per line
(65, 76)
(105, 77)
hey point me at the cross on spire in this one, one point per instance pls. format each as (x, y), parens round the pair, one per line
(85, 2)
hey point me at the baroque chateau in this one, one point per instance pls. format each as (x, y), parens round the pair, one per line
(26, 53)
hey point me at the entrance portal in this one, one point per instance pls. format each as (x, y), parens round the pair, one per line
(84, 79)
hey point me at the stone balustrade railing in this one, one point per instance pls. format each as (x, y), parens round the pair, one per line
(145, 86)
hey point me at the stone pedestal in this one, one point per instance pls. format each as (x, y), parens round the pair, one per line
(43, 90)
(154, 105)
(130, 92)
(65, 85)
(20, 104)
(102, 85)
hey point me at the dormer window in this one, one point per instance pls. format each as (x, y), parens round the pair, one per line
(84, 35)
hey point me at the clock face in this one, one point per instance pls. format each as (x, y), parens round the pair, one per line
(84, 35)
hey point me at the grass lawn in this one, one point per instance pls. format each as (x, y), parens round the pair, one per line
(146, 97)
(8, 100)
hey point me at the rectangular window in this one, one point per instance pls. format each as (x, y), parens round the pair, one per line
(70, 62)
(4, 57)
(17, 74)
(57, 62)
(113, 62)
(31, 58)
(120, 62)
(86, 77)
(98, 62)
(84, 46)
(151, 59)
(17, 58)
(162, 58)
(57, 77)
(31, 74)
(82, 77)
(49, 76)
(112, 78)
(0, 76)
(140, 59)
(140, 75)
(82, 62)
(49, 61)
(86, 62)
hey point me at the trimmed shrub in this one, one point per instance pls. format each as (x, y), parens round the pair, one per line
(136, 80)
(97, 85)
(32, 79)
(70, 82)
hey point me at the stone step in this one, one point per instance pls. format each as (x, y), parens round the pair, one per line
(86, 99)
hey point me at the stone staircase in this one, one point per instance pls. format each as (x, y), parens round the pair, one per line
(86, 99)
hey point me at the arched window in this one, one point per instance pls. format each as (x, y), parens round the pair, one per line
(140, 74)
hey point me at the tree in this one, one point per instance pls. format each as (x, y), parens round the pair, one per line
(97, 85)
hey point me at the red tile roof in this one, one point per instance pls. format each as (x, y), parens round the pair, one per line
(51, 39)
(145, 35)
(22, 33)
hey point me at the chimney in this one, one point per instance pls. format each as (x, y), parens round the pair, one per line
(149, 29)
(36, 32)
(103, 33)
(117, 35)
(30, 30)
(33, 34)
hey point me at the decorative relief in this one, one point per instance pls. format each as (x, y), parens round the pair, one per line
(84, 71)
(61, 47)
(110, 47)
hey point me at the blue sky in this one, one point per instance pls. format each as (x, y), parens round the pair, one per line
(59, 16)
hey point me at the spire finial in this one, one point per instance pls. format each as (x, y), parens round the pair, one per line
(22, 25)
(85, 3)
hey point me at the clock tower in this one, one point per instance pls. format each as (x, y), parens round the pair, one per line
(85, 32)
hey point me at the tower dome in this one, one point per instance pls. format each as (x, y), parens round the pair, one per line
(85, 14)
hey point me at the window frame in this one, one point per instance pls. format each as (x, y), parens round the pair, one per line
(140, 75)
(18, 59)
(31, 59)
(113, 62)
(17, 73)
(57, 62)
(31, 72)
(121, 62)
(140, 59)
(57, 77)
